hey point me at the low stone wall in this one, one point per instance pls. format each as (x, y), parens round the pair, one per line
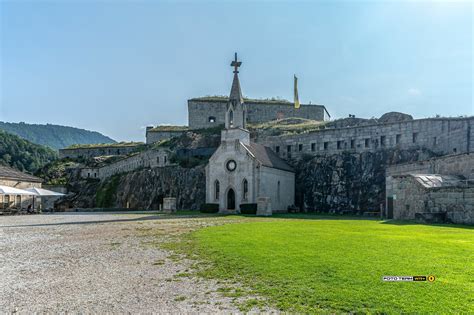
(147, 159)
(440, 135)
(457, 203)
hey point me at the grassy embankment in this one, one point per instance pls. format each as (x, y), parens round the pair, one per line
(330, 265)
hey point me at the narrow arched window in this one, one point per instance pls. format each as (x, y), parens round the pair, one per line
(216, 190)
(245, 189)
(278, 191)
(231, 118)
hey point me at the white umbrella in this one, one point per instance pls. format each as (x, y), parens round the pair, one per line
(43, 192)
(7, 190)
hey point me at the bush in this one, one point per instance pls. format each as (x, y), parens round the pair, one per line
(248, 208)
(209, 208)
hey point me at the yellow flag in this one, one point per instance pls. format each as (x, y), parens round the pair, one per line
(297, 101)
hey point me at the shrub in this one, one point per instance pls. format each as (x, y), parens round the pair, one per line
(209, 208)
(248, 208)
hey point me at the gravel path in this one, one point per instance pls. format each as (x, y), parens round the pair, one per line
(96, 263)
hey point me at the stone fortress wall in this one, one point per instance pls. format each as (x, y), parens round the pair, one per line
(98, 150)
(147, 159)
(441, 135)
(207, 113)
(164, 132)
(459, 164)
(153, 136)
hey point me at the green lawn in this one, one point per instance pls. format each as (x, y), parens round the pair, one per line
(336, 265)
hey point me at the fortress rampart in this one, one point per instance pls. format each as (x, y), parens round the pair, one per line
(210, 112)
(440, 135)
(146, 159)
(99, 150)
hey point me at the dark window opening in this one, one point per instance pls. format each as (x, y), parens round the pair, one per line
(352, 143)
(398, 138)
(278, 191)
(246, 189)
(231, 118)
(288, 148)
(326, 145)
(455, 150)
(158, 160)
(339, 144)
(300, 147)
(212, 119)
(382, 141)
(367, 143)
(313, 147)
(415, 137)
(277, 149)
(216, 190)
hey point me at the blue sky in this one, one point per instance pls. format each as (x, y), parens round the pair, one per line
(117, 66)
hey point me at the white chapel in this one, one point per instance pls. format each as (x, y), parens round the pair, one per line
(242, 171)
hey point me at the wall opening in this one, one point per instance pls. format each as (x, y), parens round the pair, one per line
(245, 189)
(216, 190)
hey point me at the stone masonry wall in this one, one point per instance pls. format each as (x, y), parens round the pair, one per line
(459, 164)
(146, 159)
(458, 203)
(412, 198)
(157, 136)
(440, 135)
(201, 113)
(75, 153)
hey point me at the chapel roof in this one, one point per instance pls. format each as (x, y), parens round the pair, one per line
(10, 173)
(267, 157)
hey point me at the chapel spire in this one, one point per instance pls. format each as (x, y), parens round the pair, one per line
(235, 91)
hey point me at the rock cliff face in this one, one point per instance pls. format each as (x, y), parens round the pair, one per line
(346, 181)
(146, 189)
(143, 189)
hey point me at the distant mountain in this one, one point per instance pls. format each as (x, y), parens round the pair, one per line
(54, 136)
(22, 154)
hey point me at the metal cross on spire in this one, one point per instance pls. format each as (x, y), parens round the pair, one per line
(236, 64)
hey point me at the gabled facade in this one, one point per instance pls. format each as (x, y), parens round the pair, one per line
(240, 171)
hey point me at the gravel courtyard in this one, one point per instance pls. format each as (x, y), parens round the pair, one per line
(100, 262)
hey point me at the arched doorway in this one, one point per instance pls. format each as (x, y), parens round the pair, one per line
(231, 199)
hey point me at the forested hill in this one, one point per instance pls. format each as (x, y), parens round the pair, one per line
(22, 154)
(54, 136)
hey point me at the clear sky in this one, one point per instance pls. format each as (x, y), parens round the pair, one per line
(118, 66)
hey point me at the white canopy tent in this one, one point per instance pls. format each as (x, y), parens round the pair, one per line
(43, 192)
(40, 192)
(33, 191)
(7, 190)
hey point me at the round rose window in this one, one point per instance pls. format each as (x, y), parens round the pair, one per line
(231, 165)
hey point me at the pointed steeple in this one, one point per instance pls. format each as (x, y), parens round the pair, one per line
(235, 91)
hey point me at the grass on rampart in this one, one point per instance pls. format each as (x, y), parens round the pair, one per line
(336, 266)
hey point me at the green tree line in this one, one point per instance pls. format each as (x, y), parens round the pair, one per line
(22, 154)
(54, 136)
